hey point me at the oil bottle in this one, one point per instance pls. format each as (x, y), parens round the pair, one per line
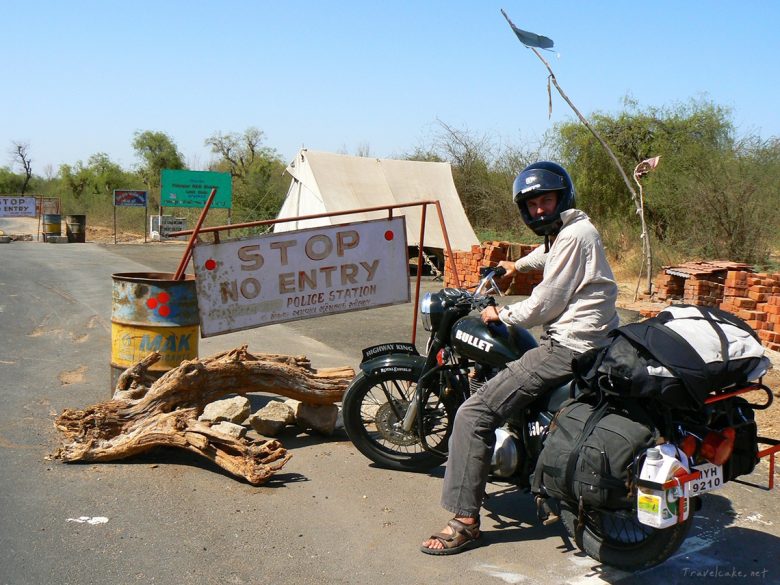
(656, 506)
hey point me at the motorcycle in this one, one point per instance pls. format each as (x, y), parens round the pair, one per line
(399, 410)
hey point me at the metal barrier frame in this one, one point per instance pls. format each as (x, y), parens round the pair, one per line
(389, 208)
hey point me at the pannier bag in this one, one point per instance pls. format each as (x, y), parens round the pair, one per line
(737, 414)
(591, 453)
(745, 455)
(678, 357)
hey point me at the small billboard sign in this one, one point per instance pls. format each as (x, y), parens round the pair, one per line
(301, 274)
(130, 198)
(17, 206)
(182, 188)
(163, 225)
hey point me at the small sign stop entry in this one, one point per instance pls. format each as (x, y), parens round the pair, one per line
(301, 274)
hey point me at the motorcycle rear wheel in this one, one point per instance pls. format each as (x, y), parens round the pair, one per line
(372, 407)
(618, 539)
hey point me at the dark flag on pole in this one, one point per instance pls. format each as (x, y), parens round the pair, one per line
(530, 39)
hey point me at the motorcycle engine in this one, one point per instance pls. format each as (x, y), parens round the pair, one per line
(506, 453)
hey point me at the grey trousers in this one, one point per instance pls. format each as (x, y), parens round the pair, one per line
(473, 436)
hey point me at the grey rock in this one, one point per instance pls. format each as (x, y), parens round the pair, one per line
(294, 405)
(321, 418)
(230, 429)
(272, 418)
(235, 410)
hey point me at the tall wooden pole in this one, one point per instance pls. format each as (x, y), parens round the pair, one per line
(634, 197)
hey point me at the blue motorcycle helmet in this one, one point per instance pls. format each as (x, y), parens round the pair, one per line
(536, 179)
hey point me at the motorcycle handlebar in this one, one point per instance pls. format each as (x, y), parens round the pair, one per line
(488, 275)
(484, 303)
(497, 271)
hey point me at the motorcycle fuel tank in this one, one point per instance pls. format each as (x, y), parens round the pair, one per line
(494, 344)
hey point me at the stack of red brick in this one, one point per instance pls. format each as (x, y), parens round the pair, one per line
(706, 293)
(669, 286)
(696, 283)
(469, 262)
(756, 299)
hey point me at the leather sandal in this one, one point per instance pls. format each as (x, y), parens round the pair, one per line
(463, 537)
(545, 512)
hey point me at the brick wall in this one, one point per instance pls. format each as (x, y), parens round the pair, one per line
(756, 299)
(469, 262)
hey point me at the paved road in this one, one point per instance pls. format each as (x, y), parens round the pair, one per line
(328, 518)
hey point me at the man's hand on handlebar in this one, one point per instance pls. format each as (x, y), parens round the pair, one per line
(509, 266)
(489, 314)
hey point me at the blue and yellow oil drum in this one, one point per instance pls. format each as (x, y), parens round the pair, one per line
(152, 312)
(52, 225)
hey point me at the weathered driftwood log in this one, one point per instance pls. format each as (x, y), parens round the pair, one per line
(142, 416)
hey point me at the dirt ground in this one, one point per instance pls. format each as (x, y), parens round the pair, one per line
(104, 235)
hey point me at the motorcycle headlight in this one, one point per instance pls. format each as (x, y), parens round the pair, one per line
(431, 308)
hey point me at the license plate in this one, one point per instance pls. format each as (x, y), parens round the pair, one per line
(711, 479)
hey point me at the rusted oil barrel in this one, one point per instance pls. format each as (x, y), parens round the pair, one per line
(76, 228)
(52, 225)
(152, 312)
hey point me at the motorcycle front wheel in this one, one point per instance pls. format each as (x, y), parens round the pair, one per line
(618, 539)
(373, 408)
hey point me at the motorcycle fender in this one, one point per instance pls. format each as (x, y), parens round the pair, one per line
(394, 363)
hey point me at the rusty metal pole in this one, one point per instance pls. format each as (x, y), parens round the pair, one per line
(447, 244)
(419, 274)
(188, 251)
(262, 222)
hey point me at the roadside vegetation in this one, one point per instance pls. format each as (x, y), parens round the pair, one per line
(714, 194)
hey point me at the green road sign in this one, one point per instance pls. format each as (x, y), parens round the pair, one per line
(192, 189)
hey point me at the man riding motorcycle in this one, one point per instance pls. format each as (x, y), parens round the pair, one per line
(574, 304)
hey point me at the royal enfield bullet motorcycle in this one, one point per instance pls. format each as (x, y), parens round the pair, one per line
(399, 410)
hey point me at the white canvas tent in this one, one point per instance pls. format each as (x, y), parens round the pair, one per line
(323, 182)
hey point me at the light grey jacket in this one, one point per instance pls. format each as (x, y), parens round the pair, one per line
(575, 302)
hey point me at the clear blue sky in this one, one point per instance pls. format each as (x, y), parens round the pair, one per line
(81, 76)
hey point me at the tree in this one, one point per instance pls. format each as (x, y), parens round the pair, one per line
(710, 197)
(483, 172)
(76, 178)
(363, 149)
(724, 205)
(470, 156)
(10, 182)
(107, 175)
(423, 154)
(157, 151)
(239, 152)
(21, 155)
(93, 183)
(678, 134)
(258, 185)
